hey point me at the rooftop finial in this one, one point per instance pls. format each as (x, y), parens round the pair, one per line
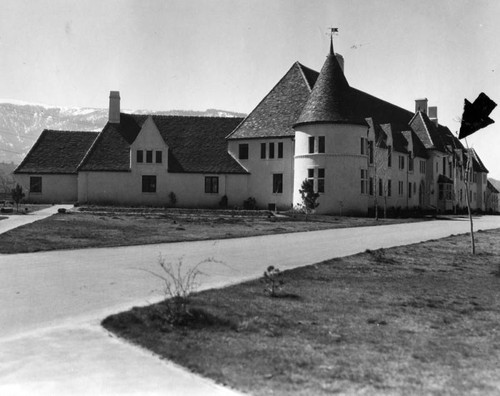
(332, 32)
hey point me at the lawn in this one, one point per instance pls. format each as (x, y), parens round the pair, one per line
(417, 319)
(111, 226)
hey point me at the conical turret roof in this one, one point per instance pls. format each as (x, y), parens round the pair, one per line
(330, 99)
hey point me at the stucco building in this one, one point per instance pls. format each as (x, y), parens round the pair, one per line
(358, 150)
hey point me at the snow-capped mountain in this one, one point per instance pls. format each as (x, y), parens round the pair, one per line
(22, 123)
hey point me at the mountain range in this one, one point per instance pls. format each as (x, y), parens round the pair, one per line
(22, 124)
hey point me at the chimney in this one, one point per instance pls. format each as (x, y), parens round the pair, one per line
(421, 105)
(433, 114)
(340, 60)
(114, 107)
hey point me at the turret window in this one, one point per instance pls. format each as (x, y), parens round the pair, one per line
(316, 144)
(321, 144)
(311, 144)
(364, 181)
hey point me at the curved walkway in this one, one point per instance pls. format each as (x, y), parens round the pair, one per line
(50, 339)
(15, 221)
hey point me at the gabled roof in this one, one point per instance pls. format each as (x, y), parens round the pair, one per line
(57, 152)
(196, 144)
(430, 134)
(418, 147)
(399, 142)
(492, 188)
(330, 99)
(477, 164)
(277, 112)
(442, 179)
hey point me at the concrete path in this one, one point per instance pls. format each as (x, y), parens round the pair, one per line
(15, 221)
(50, 339)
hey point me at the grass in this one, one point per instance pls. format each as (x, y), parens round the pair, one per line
(418, 319)
(108, 226)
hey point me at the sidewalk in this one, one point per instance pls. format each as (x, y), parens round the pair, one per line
(15, 221)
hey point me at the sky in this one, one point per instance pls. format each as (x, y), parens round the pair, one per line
(228, 54)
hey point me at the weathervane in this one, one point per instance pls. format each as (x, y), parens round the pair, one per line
(331, 32)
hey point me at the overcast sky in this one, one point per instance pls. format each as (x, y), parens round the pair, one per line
(228, 54)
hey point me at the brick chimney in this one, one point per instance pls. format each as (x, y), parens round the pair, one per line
(433, 114)
(114, 107)
(421, 105)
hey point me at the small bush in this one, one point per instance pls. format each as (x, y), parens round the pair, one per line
(61, 210)
(178, 285)
(172, 199)
(223, 203)
(273, 281)
(250, 204)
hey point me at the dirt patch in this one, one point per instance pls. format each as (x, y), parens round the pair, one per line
(418, 319)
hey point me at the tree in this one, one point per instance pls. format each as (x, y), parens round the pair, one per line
(380, 164)
(17, 195)
(309, 197)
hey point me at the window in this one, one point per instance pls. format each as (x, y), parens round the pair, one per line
(380, 187)
(140, 156)
(422, 167)
(400, 188)
(311, 144)
(321, 144)
(371, 185)
(211, 184)
(389, 187)
(401, 162)
(263, 150)
(409, 190)
(243, 151)
(280, 150)
(474, 177)
(444, 191)
(364, 180)
(321, 180)
(362, 146)
(148, 184)
(35, 184)
(159, 157)
(410, 161)
(444, 165)
(389, 156)
(277, 183)
(271, 150)
(370, 152)
(310, 174)
(149, 156)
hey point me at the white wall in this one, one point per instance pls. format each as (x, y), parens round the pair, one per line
(342, 162)
(260, 180)
(55, 188)
(189, 189)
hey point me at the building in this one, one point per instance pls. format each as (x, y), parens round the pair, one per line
(359, 151)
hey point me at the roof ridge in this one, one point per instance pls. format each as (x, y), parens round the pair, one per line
(301, 66)
(262, 100)
(91, 148)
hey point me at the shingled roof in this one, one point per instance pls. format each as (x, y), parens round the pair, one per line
(330, 99)
(57, 152)
(275, 115)
(196, 144)
(432, 136)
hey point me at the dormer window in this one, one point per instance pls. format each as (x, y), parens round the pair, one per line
(140, 156)
(159, 157)
(149, 156)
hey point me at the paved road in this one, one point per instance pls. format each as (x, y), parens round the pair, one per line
(50, 339)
